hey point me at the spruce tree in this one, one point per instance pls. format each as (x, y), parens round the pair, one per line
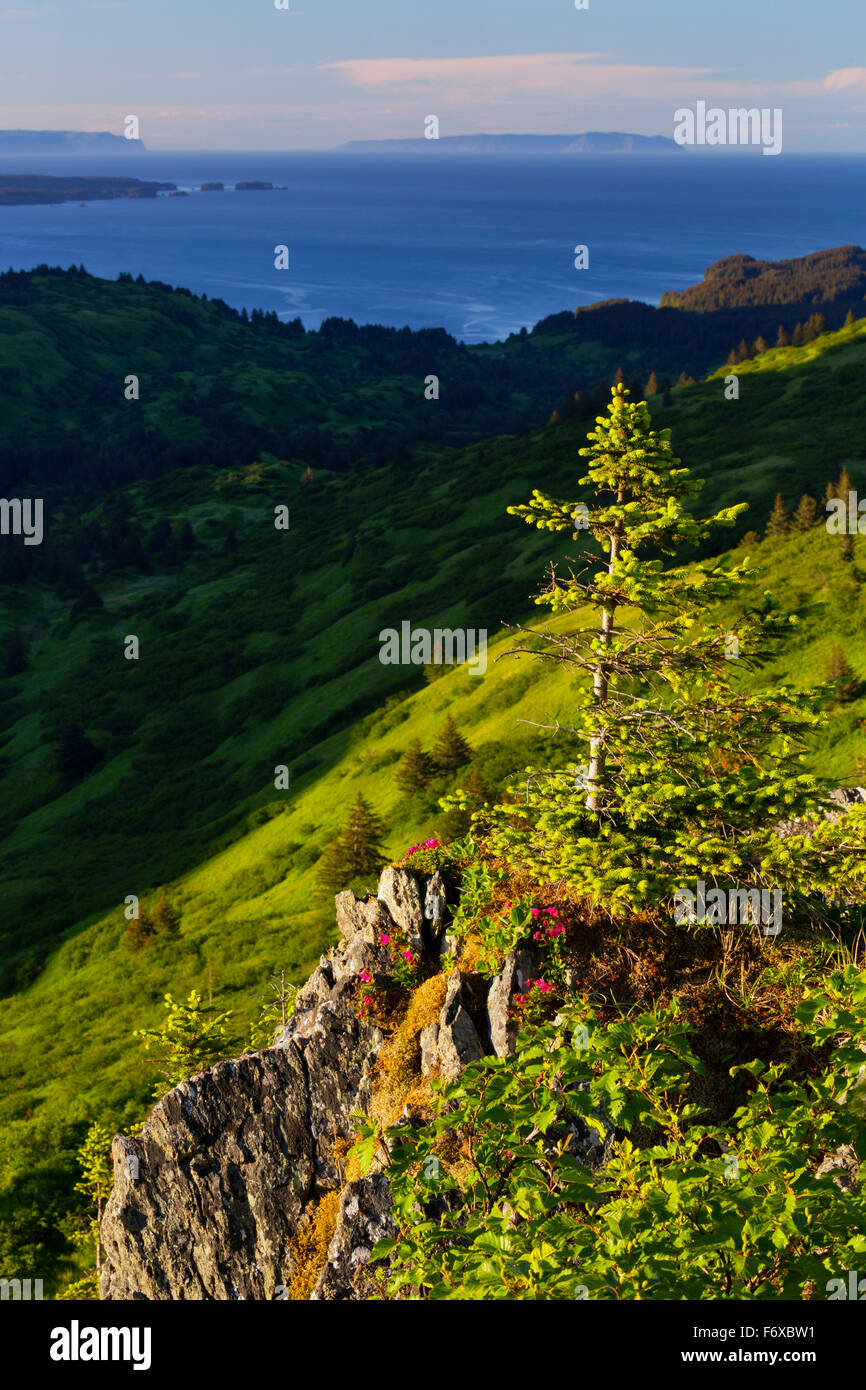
(415, 770)
(839, 674)
(806, 515)
(844, 486)
(166, 917)
(355, 850)
(140, 931)
(451, 750)
(760, 346)
(688, 773)
(652, 387)
(779, 523)
(457, 820)
(193, 1036)
(783, 337)
(94, 1185)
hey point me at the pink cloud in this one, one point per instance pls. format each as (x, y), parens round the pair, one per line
(574, 74)
(845, 77)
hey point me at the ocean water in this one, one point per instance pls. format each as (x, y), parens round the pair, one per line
(481, 246)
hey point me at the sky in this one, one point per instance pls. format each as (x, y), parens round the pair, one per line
(242, 74)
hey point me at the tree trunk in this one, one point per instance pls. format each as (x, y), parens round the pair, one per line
(600, 683)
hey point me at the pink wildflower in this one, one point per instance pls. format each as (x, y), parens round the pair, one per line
(365, 976)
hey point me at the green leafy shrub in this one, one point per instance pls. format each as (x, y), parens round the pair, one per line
(681, 1210)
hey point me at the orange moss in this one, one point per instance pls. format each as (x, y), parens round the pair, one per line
(398, 1070)
(310, 1246)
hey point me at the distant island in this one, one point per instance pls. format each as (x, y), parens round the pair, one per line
(65, 142)
(20, 189)
(591, 142)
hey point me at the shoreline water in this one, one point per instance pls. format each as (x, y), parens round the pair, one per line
(480, 246)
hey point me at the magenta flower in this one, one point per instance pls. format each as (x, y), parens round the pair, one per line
(535, 912)
(365, 976)
(384, 939)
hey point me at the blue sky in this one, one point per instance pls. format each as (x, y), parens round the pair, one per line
(240, 74)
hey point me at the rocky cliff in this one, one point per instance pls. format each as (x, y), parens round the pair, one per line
(236, 1187)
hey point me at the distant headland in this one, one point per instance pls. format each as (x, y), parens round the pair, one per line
(20, 189)
(66, 142)
(591, 142)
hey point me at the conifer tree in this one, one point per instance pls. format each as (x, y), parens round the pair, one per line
(457, 819)
(849, 319)
(688, 774)
(94, 1185)
(166, 917)
(685, 380)
(140, 931)
(840, 675)
(652, 387)
(355, 850)
(844, 486)
(783, 337)
(193, 1036)
(451, 750)
(779, 523)
(759, 346)
(806, 515)
(415, 770)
